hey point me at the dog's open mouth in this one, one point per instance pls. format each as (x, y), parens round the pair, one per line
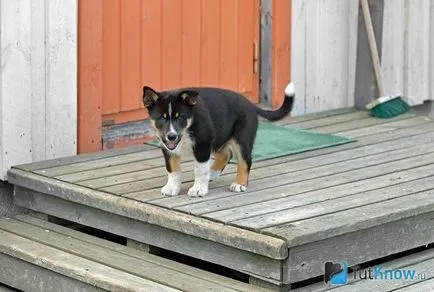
(171, 145)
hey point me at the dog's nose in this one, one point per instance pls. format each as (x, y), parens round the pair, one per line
(172, 136)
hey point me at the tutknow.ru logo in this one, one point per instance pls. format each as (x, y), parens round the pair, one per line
(337, 273)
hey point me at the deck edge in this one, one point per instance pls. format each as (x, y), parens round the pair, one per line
(258, 243)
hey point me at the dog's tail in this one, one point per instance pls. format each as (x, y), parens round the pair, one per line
(284, 109)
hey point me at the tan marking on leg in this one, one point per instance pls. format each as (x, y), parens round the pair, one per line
(242, 169)
(222, 158)
(175, 163)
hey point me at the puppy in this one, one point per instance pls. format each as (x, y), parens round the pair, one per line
(207, 120)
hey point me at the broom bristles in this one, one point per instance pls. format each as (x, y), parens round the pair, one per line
(390, 109)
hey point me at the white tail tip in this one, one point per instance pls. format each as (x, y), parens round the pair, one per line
(290, 89)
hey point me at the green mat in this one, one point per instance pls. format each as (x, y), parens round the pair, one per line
(273, 141)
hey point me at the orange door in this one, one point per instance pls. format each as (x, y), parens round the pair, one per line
(163, 44)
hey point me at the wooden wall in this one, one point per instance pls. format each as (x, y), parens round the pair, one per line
(408, 49)
(38, 116)
(324, 40)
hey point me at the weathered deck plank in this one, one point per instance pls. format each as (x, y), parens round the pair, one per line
(147, 266)
(346, 221)
(277, 188)
(342, 160)
(243, 239)
(66, 264)
(83, 157)
(235, 258)
(397, 180)
(108, 176)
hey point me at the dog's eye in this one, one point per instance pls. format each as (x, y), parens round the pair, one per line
(176, 115)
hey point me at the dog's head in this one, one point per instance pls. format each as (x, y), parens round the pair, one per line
(171, 113)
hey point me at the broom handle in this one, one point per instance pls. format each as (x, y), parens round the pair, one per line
(373, 46)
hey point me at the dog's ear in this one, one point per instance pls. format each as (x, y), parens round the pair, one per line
(150, 96)
(189, 97)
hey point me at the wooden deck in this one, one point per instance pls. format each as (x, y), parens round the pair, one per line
(359, 201)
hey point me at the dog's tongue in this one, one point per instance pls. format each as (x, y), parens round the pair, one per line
(171, 145)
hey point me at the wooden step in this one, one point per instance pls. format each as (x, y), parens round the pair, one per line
(36, 255)
(421, 281)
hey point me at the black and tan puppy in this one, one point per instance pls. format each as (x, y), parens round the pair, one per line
(206, 121)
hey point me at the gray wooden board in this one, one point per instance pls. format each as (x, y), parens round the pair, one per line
(235, 237)
(362, 245)
(315, 116)
(287, 185)
(336, 204)
(382, 128)
(127, 173)
(341, 222)
(397, 180)
(132, 252)
(332, 120)
(3, 288)
(303, 169)
(148, 269)
(398, 263)
(236, 259)
(98, 163)
(357, 124)
(83, 157)
(74, 266)
(423, 286)
(26, 276)
(140, 169)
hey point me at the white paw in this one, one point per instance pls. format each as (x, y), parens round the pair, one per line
(170, 190)
(214, 174)
(198, 190)
(237, 188)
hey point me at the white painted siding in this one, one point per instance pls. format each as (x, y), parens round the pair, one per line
(408, 49)
(324, 42)
(38, 81)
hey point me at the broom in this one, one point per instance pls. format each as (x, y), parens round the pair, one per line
(384, 106)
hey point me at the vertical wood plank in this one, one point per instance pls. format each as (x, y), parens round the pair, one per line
(111, 57)
(393, 46)
(61, 80)
(298, 54)
(15, 96)
(417, 53)
(431, 50)
(38, 30)
(171, 44)
(246, 42)
(210, 43)
(351, 47)
(90, 78)
(281, 49)
(190, 62)
(151, 50)
(130, 54)
(229, 44)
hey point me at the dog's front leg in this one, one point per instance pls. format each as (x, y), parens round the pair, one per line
(173, 167)
(201, 171)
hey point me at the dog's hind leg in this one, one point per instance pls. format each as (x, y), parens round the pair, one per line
(173, 167)
(242, 144)
(222, 157)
